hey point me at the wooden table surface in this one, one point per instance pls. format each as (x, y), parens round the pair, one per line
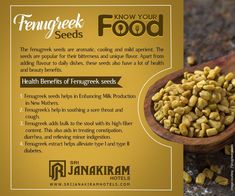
(209, 33)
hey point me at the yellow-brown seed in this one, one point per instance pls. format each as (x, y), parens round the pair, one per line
(221, 180)
(183, 129)
(227, 149)
(215, 168)
(228, 119)
(200, 179)
(213, 115)
(208, 173)
(229, 76)
(187, 178)
(201, 103)
(191, 60)
(211, 132)
(192, 101)
(205, 95)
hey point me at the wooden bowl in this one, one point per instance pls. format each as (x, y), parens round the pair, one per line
(198, 145)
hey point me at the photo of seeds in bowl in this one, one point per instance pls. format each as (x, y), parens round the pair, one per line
(195, 106)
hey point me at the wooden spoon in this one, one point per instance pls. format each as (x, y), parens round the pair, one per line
(199, 145)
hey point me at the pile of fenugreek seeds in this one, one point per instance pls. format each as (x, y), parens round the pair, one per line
(202, 105)
(212, 173)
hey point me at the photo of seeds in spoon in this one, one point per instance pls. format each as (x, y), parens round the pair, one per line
(201, 105)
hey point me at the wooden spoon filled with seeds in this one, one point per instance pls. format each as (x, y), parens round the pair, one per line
(195, 106)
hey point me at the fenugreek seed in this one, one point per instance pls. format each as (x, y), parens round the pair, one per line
(198, 112)
(224, 102)
(208, 173)
(214, 83)
(231, 98)
(191, 131)
(205, 95)
(211, 75)
(209, 87)
(157, 105)
(228, 149)
(218, 89)
(195, 90)
(187, 178)
(165, 98)
(232, 103)
(206, 70)
(198, 72)
(169, 83)
(216, 97)
(213, 115)
(188, 85)
(201, 103)
(230, 87)
(212, 106)
(177, 132)
(206, 111)
(221, 128)
(229, 76)
(228, 119)
(203, 119)
(196, 125)
(215, 124)
(200, 179)
(204, 126)
(201, 133)
(211, 132)
(162, 121)
(225, 85)
(233, 82)
(179, 110)
(159, 116)
(192, 101)
(183, 129)
(186, 121)
(201, 84)
(170, 118)
(167, 124)
(217, 70)
(173, 98)
(193, 116)
(221, 180)
(165, 109)
(157, 96)
(221, 80)
(175, 104)
(186, 93)
(187, 109)
(223, 108)
(215, 168)
(174, 129)
(184, 100)
(179, 89)
(171, 113)
(177, 119)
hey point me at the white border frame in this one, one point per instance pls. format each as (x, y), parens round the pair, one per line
(133, 189)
